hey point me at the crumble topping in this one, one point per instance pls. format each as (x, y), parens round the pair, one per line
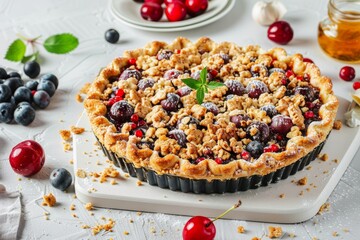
(337, 125)
(240, 229)
(49, 200)
(275, 232)
(302, 181)
(77, 130)
(65, 134)
(106, 227)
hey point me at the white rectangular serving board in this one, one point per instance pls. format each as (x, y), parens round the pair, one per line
(299, 203)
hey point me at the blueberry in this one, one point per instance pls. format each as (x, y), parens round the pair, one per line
(22, 94)
(179, 136)
(47, 86)
(60, 178)
(24, 114)
(112, 36)
(41, 99)
(308, 93)
(32, 84)
(255, 148)
(238, 119)
(164, 54)
(259, 131)
(14, 83)
(14, 74)
(32, 69)
(50, 77)
(128, 73)
(171, 103)
(23, 103)
(145, 83)
(121, 111)
(3, 74)
(5, 93)
(6, 112)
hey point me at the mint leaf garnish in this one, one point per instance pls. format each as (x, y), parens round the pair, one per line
(16, 51)
(61, 43)
(202, 86)
(32, 57)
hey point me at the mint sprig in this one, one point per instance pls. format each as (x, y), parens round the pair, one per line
(202, 86)
(58, 44)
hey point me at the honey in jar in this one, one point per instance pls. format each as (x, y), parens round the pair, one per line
(339, 34)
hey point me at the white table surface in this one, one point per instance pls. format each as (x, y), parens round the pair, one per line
(88, 20)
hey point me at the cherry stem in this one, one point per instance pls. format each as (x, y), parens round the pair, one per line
(224, 213)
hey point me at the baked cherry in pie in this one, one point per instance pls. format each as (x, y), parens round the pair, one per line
(269, 119)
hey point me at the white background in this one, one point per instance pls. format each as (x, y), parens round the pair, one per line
(88, 20)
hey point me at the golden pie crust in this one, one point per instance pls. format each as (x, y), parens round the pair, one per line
(168, 157)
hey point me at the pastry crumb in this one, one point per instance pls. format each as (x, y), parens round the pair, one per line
(346, 230)
(67, 146)
(152, 230)
(308, 167)
(336, 161)
(337, 125)
(85, 226)
(89, 206)
(126, 175)
(139, 183)
(302, 181)
(324, 157)
(335, 234)
(324, 208)
(74, 215)
(282, 195)
(274, 232)
(74, 196)
(292, 235)
(126, 233)
(72, 207)
(106, 227)
(79, 98)
(240, 229)
(113, 182)
(65, 134)
(77, 130)
(71, 161)
(256, 238)
(46, 217)
(139, 213)
(81, 173)
(49, 200)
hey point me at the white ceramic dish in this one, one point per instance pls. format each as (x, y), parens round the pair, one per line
(299, 203)
(219, 10)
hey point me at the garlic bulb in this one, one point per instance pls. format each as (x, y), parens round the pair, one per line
(265, 13)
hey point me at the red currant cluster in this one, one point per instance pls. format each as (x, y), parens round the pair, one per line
(175, 10)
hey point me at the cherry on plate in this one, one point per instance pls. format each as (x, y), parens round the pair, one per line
(356, 85)
(27, 158)
(280, 32)
(171, 1)
(199, 228)
(175, 11)
(196, 7)
(347, 73)
(151, 11)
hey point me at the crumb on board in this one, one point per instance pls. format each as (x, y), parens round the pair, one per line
(308, 167)
(324, 157)
(113, 182)
(46, 217)
(302, 181)
(67, 146)
(65, 134)
(72, 207)
(256, 238)
(131, 221)
(81, 173)
(240, 229)
(74, 215)
(337, 125)
(126, 233)
(108, 172)
(336, 161)
(335, 234)
(85, 226)
(71, 161)
(292, 235)
(106, 227)
(89, 206)
(274, 232)
(282, 195)
(77, 130)
(139, 183)
(324, 208)
(138, 213)
(79, 98)
(152, 230)
(49, 200)
(126, 175)
(74, 196)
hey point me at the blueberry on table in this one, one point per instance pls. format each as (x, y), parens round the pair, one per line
(3, 74)
(24, 114)
(60, 178)
(5, 93)
(22, 94)
(14, 83)
(47, 86)
(14, 74)
(32, 69)
(41, 99)
(112, 36)
(32, 84)
(6, 112)
(50, 77)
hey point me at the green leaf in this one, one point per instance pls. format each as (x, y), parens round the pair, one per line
(200, 94)
(212, 85)
(32, 57)
(203, 75)
(192, 83)
(61, 43)
(16, 51)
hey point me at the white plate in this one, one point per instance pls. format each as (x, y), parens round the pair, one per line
(130, 12)
(162, 26)
(262, 204)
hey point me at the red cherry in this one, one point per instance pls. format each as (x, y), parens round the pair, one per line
(196, 7)
(213, 73)
(27, 158)
(347, 73)
(175, 11)
(139, 133)
(132, 61)
(151, 11)
(133, 126)
(308, 60)
(300, 78)
(309, 114)
(356, 85)
(134, 118)
(155, 1)
(114, 100)
(280, 32)
(199, 228)
(167, 2)
(218, 160)
(245, 155)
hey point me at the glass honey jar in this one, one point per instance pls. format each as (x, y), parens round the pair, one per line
(339, 33)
